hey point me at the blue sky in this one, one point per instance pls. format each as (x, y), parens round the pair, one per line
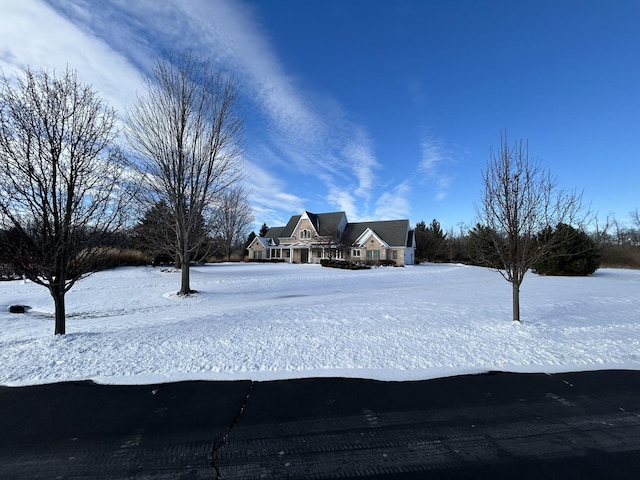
(383, 109)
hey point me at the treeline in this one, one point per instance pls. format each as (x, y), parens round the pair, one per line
(148, 242)
(610, 245)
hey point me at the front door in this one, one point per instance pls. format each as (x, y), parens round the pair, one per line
(304, 256)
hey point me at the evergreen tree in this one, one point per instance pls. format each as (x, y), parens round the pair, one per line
(419, 234)
(569, 252)
(483, 245)
(155, 235)
(263, 230)
(431, 242)
(247, 242)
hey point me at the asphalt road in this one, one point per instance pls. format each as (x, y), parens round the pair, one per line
(493, 426)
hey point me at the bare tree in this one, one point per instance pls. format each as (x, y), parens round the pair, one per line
(520, 199)
(187, 132)
(61, 179)
(601, 234)
(232, 219)
(635, 218)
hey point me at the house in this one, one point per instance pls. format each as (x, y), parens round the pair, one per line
(310, 237)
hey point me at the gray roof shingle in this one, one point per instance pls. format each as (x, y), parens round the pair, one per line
(395, 233)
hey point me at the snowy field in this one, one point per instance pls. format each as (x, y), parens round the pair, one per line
(266, 322)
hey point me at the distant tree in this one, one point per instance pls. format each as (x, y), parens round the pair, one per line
(420, 236)
(456, 244)
(247, 242)
(484, 247)
(187, 133)
(619, 246)
(571, 252)
(62, 184)
(520, 199)
(155, 235)
(232, 218)
(635, 218)
(263, 230)
(436, 241)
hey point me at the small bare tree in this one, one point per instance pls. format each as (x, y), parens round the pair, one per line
(187, 132)
(232, 219)
(521, 199)
(61, 179)
(635, 218)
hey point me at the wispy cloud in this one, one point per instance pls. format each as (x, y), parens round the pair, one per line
(394, 203)
(344, 201)
(34, 35)
(433, 167)
(359, 154)
(114, 44)
(268, 196)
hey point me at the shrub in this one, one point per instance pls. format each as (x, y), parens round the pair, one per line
(570, 252)
(115, 257)
(325, 262)
(7, 272)
(387, 263)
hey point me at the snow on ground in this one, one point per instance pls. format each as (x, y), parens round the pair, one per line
(280, 321)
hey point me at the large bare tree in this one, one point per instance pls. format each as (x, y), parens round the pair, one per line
(520, 199)
(187, 131)
(61, 179)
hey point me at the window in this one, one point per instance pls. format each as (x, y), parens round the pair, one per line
(276, 253)
(394, 255)
(355, 252)
(257, 254)
(305, 234)
(373, 254)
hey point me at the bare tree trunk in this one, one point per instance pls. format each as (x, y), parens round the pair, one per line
(60, 312)
(516, 301)
(185, 287)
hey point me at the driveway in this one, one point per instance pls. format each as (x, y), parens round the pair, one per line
(498, 425)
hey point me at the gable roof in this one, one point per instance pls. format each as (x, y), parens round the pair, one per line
(287, 230)
(393, 232)
(327, 224)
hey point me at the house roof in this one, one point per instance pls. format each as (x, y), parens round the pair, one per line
(393, 232)
(287, 230)
(274, 232)
(327, 224)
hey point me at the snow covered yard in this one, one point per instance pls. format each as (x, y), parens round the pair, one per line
(265, 322)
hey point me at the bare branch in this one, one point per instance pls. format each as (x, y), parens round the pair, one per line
(62, 183)
(187, 132)
(520, 199)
